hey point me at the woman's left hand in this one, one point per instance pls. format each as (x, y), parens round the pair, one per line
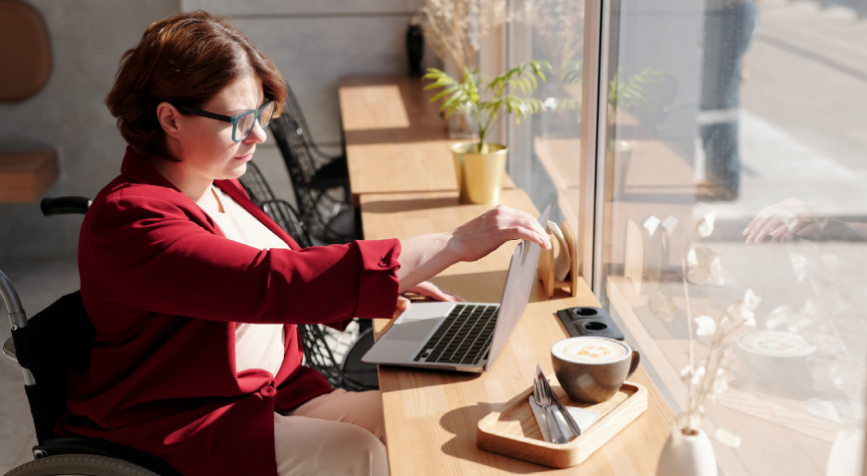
(428, 290)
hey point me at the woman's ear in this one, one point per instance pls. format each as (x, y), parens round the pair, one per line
(168, 117)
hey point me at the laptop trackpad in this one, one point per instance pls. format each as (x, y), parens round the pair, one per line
(412, 330)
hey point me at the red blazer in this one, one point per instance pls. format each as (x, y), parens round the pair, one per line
(164, 289)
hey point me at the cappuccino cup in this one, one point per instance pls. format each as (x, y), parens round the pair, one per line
(592, 369)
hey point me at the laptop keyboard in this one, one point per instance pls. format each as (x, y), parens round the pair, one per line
(464, 336)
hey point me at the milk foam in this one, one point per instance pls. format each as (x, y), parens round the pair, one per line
(592, 351)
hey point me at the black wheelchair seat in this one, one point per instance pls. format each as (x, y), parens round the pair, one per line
(50, 344)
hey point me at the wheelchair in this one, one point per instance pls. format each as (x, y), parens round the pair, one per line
(46, 346)
(49, 343)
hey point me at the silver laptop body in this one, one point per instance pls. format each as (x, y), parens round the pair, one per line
(462, 336)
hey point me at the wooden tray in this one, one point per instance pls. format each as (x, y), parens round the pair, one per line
(513, 431)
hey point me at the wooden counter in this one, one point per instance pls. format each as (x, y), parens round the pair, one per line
(431, 416)
(396, 140)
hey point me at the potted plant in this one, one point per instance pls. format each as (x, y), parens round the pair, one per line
(480, 166)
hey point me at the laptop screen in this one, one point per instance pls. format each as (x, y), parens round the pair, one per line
(516, 292)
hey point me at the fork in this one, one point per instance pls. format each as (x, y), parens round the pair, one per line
(543, 399)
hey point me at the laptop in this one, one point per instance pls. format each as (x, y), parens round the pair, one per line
(461, 336)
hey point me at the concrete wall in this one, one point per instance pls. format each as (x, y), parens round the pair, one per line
(88, 38)
(313, 44)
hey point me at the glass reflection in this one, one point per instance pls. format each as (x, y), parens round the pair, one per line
(740, 173)
(545, 150)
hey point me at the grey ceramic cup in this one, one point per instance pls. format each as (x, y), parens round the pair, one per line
(592, 382)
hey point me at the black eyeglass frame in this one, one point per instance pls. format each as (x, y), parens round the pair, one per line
(233, 119)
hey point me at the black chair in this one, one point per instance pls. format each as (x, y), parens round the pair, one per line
(315, 177)
(330, 171)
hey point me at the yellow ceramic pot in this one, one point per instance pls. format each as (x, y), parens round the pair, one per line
(480, 176)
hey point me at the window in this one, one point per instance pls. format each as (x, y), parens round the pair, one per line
(749, 114)
(545, 150)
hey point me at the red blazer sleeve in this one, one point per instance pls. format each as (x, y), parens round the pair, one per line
(161, 259)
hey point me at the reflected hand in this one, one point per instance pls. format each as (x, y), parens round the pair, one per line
(780, 222)
(428, 290)
(482, 235)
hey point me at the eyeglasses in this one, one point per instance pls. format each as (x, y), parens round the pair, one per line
(242, 124)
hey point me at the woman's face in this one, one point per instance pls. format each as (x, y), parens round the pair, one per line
(205, 146)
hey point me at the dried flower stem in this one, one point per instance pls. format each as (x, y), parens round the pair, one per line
(689, 333)
(815, 286)
(454, 29)
(560, 23)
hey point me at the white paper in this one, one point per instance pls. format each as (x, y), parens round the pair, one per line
(583, 417)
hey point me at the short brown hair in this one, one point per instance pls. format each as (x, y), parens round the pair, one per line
(184, 60)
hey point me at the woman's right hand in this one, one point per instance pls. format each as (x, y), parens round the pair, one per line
(487, 232)
(423, 257)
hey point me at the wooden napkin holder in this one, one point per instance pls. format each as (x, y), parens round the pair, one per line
(546, 263)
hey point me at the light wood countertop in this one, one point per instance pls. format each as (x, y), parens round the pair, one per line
(431, 416)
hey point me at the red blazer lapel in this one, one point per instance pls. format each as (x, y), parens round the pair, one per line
(138, 169)
(141, 171)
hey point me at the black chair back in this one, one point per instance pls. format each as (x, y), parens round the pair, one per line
(318, 355)
(288, 219)
(255, 185)
(292, 110)
(316, 206)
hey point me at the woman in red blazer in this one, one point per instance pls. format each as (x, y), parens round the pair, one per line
(169, 289)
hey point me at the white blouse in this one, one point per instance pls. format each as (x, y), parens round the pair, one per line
(257, 346)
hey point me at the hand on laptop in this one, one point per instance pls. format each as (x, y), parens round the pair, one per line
(477, 238)
(424, 256)
(427, 290)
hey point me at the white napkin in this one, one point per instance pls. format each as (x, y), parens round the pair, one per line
(582, 416)
(563, 260)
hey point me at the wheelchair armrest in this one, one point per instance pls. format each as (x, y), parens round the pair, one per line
(9, 350)
(65, 205)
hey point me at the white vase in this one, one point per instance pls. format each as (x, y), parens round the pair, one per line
(693, 456)
(846, 456)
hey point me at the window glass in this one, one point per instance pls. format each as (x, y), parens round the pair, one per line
(736, 162)
(545, 150)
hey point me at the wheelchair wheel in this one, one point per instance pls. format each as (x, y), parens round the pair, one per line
(79, 465)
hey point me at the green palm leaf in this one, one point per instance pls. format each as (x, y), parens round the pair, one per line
(469, 93)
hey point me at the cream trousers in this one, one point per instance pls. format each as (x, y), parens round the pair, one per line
(337, 433)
